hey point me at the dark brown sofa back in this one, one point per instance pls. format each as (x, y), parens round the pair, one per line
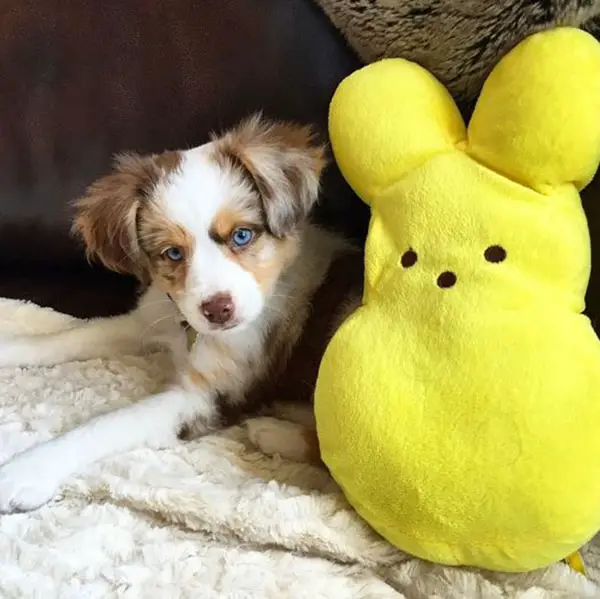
(82, 79)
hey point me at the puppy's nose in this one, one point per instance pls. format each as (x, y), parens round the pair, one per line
(218, 309)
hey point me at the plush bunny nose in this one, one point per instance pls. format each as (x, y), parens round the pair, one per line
(446, 280)
(218, 309)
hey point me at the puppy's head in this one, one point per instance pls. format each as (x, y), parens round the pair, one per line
(215, 226)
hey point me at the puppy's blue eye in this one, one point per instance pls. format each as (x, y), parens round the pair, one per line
(242, 237)
(174, 254)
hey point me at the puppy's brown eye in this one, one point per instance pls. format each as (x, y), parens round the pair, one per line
(174, 254)
(495, 254)
(409, 258)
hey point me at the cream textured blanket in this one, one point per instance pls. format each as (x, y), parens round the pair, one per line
(210, 518)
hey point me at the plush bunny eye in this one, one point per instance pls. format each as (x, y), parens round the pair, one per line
(409, 258)
(495, 254)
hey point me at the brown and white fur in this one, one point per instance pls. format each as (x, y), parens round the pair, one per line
(262, 312)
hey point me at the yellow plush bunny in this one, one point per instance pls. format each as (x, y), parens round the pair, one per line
(459, 407)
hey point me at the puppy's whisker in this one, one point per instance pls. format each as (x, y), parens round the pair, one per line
(281, 296)
(152, 325)
(157, 303)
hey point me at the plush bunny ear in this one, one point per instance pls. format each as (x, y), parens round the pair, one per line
(538, 117)
(387, 118)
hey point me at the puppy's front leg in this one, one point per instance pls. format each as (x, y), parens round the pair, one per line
(33, 477)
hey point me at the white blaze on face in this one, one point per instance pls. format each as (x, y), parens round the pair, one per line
(192, 198)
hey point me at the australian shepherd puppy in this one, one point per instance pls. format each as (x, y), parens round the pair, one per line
(221, 240)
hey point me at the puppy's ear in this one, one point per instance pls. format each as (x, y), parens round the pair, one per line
(285, 163)
(106, 214)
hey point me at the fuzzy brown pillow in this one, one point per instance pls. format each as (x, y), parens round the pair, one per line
(459, 41)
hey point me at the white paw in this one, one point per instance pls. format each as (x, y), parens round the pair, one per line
(281, 437)
(26, 483)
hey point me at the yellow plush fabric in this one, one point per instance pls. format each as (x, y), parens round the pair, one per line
(459, 406)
